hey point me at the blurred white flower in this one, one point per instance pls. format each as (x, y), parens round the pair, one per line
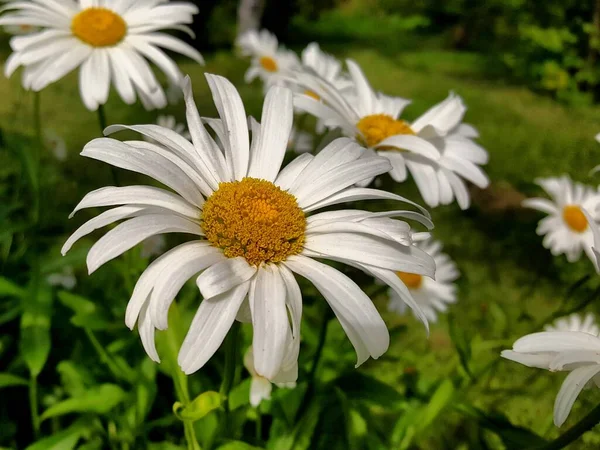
(566, 229)
(20, 29)
(571, 351)
(56, 144)
(269, 60)
(250, 216)
(108, 39)
(174, 93)
(433, 148)
(153, 246)
(170, 123)
(574, 322)
(65, 278)
(326, 66)
(260, 387)
(431, 295)
(300, 141)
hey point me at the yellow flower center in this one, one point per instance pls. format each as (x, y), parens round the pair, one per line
(574, 218)
(312, 94)
(99, 27)
(268, 64)
(377, 127)
(255, 219)
(411, 280)
(25, 27)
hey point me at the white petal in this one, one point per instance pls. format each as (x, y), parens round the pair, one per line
(260, 389)
(224, 276)
(289, 174)
(557, 341)
(569, 391)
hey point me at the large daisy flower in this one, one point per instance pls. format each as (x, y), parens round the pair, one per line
(566, 229)
(110, 40)
(254, 231)
(432, 295)
(269, 60)
(372, 118)
(570, 351)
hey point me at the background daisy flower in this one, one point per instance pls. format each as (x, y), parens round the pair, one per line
(432, 295)
(250, 217)
(566, 229)
(325, 65)
(110, 41)
(372, 118)
(574, 322)
(571, 351)
(269, 60)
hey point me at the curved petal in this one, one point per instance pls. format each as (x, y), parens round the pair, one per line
(224, 276)
(569, 391)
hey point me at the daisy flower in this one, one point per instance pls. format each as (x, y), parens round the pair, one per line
(252, 228)
(431, 295)
(20, 29)
(269, 60)
(65, 279)
(326, 66)
(575, 352)
(566, 229)
(260, 387)
(170, 122)
(574, 322)
(372, 118)
(109, 40)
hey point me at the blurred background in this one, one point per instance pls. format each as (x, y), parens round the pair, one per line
(529, 74)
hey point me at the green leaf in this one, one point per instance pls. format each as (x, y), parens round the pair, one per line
(100, 400)
(199, 407)
(440, 399)
(359, 386)
(238, 445)
(299, 437)
(461, 342)
(240, 395)
(8, 380)
(63, 440)
(35, 328)
(10, 289)
(74, 377)
(87, 314)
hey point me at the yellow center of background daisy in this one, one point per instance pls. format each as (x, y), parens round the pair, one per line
(411, 280)
(377, 127)
(99, 27)
(312, 94)
(254, 219)
(268, 64)
(574, 218)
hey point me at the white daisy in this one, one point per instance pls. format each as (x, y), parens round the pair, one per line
(170, 122)
(574, 322)
(431, 295)
(269, 60)
(108, 39)
(56, 144)
(372, 118)
(566, 230)
(300, 141)
(571, 351)
(260, 387)
(251, 219)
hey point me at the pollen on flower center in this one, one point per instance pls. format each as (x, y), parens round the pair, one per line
(377, 127)
(411, 280)
(254, 219)
(99, 27)
(268, 63)
(574, 218)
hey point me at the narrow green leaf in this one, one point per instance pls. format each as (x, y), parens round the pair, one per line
(359, 386)
(440, 399)
(10, 289)
(35, 328)
(87, 314)
(8, 380)
(238, 445)
(199, 407)
(100, 400)
(63, 440)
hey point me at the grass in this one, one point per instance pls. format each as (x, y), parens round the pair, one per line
(509, 282)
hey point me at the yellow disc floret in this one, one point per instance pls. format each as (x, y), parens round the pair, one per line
(99, 27)
(254, 219)
(574, 218)
(268, 63)
(377, 127)
(411, 280)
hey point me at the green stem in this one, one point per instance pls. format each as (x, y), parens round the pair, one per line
(37, 117)
(106, 358)
(102, 124)
(231, 355)
(575, 432)
(33, 404)
(258, 425)
(37, 155)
